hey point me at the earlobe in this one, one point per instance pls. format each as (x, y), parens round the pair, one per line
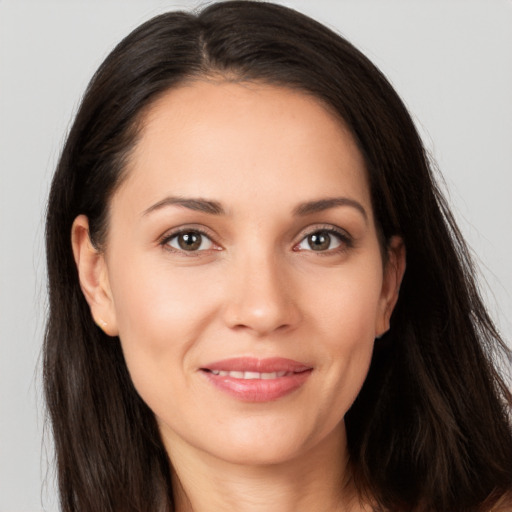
(393, 274)
(93, 276)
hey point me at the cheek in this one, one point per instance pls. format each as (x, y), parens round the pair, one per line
(160, 314)
(347, 313)
(349, 305)
(154, 302)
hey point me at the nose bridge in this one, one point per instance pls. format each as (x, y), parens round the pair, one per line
(260, 297)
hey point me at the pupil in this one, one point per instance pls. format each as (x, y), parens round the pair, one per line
(319, 241)
(189, 241)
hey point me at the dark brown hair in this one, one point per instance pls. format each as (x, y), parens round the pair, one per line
(430, 429)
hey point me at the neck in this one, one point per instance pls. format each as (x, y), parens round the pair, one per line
(317, 480)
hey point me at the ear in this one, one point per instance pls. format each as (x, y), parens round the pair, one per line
(394, 270)
(93, 276)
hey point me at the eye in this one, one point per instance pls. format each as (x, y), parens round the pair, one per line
(322, 240)
(190, 241)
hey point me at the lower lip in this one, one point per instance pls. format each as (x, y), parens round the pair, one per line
(258, 390)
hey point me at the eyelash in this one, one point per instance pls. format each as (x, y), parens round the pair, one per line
(164, 242)
(346, 241)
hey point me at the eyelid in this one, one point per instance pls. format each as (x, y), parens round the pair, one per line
(163, 240)
(347, 240)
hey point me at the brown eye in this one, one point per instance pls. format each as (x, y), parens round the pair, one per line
(190, 241)
(322, 240)
(319, 241)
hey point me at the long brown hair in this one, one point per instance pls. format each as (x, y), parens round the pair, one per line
(430, 429)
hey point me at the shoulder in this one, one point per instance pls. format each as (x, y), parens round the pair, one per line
(504, 504)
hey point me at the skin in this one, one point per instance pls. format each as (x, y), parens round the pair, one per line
(255, 287)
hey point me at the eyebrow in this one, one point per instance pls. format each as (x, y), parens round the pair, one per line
(196, 204)
(215, 208)
(321, 205)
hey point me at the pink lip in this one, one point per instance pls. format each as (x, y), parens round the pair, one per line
(258, 390)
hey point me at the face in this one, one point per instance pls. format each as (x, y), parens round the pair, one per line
(242, 271)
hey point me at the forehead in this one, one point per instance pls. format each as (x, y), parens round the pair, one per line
(244, 140)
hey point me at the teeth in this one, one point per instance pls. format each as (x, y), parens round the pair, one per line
(250, 375)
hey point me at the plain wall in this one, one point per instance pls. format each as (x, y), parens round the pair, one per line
(451, 61)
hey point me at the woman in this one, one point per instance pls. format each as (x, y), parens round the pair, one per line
(259, 299)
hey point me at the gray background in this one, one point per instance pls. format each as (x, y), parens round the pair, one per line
(451, 61)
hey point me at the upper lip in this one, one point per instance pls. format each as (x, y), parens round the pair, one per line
(253, 364)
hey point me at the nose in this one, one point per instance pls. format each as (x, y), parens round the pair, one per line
(260, 298)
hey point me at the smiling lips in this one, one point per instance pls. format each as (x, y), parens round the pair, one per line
(257, 380)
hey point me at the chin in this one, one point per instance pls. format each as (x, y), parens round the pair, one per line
(263, 444)
(268, 453)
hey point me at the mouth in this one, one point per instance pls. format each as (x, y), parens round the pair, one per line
(257, 380)
(250, 375)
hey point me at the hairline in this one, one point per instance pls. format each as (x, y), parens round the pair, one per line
(142, 118)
